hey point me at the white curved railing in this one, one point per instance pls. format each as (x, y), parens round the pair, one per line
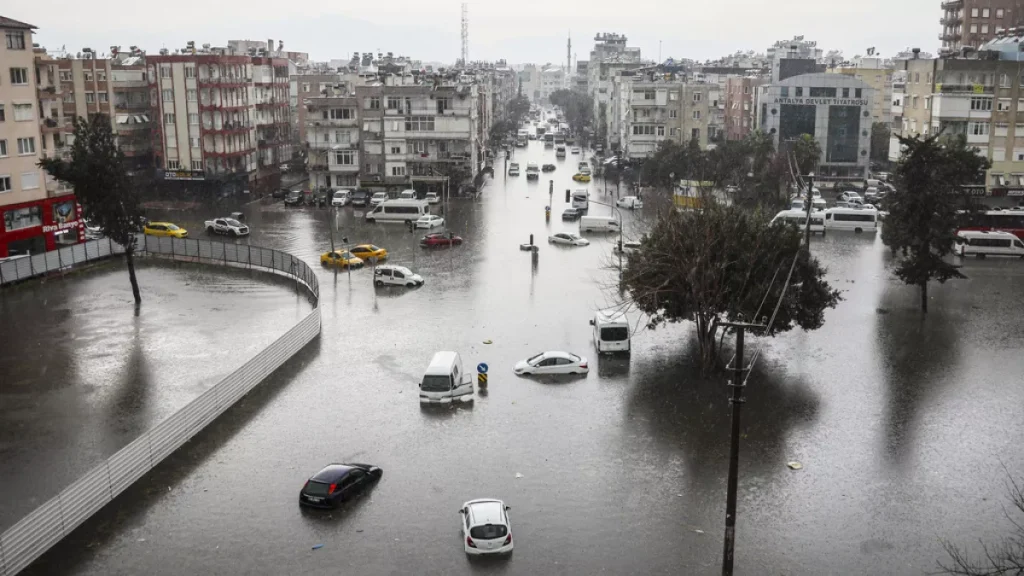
(34, 534)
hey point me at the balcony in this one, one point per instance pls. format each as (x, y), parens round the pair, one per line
(949, 36)
(50, 125)
(131, 106)
(225, 81)
(970, 88)
(977, 139)
(952, 4)
(125, 84)
(229, 128)
(47, 92)
(336, 122)
(221, 106)
(951, 20)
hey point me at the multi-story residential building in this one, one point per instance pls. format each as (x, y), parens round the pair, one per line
(658, 110)
(312, 84)
(416, 132)
(833, 108)
(132, 116)
(875, 73)
(38, 214)
(579, 81)
(332, 137)
(552, 79)
(980, 97)
(222, 117)
(529, 79)
(783, 53)
(741, 105)
(971, 23)
(609, 58)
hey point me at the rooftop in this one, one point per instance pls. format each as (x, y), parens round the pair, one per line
(11, 23)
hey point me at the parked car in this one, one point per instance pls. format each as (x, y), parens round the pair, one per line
(439, 239)
(568, 239)
(392, 275)
(631, 202)
(360, 198)
(293, 198)
(571, 214)
(849, 196)
(575, 149)
(228, 226)
(626, 247)
(548, 168)
(513, 169)
(92, 232)
(338, 483)
(552, 362)
(341, 197)
(486, 528)
(367, 251)
(164, 229)
(583, 168)
(279, 193)
(429, 221)
(532, 172)
(581, 177)
(341, 259)
(378, 198)
(433, 198)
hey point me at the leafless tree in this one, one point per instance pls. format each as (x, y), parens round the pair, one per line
(1005, 558)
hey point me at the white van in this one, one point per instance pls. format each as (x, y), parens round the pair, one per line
(983, 243)
(409, 194)
(599, 224)
(856, 219)
(341, 197)
(611, 331)
(799, 218)
(444, 380)
(581, 200)
(398, 211)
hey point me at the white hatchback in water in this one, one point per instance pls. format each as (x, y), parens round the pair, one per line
(486, 528)
(552, 362)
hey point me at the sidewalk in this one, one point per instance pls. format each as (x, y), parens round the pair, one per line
(83, 376)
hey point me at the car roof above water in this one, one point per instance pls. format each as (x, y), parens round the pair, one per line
(331, 473)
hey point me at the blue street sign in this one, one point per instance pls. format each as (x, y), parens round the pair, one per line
(481, 368)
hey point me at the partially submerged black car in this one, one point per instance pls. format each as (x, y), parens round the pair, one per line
(338, 483)
(293, 198)
(548, 168)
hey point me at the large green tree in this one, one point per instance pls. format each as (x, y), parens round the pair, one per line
(518, 108)
(719, 264)
(922, 217)
(577, 106)
(807, 152)
(109, 200)
(879, 142)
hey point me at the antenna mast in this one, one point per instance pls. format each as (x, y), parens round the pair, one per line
(465, 35)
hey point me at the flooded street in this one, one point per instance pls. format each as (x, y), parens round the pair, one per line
(903, 423)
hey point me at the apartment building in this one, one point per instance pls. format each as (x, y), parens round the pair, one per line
(133, 120)
(657, 110)
(833, 108)
(875, 72)
(981, 98)
(313, 84)
(332, 134)
(971, 23)
(417, 131)
(610, 57)
(741, 105)
(221, 117)
(38, 213)
(552, 79)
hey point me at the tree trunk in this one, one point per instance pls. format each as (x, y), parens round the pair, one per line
(129, 257)
(924, 297)
(707, 330)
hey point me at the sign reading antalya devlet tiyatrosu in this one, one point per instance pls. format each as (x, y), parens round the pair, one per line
(823, 101)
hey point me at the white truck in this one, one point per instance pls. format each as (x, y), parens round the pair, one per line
(226, 226)
(599, 224)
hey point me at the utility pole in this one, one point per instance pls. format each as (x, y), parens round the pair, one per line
(739, 371)
(810, 199)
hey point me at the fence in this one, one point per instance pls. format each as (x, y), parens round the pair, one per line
(34, 534)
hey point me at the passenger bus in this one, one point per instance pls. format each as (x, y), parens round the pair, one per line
(522, 139)
(1011, 221)
(541, 129)
(549, 140)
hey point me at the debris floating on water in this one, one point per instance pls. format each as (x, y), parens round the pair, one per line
(794, 465)
(518, 475)
(318, 546)
(488, 341)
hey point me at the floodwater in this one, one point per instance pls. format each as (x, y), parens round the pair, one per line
(81, 375)
(903, 423)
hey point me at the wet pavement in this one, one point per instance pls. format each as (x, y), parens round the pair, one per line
(902, 423)
(82, 376)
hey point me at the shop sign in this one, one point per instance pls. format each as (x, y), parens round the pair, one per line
(61, 226)
(184, 175)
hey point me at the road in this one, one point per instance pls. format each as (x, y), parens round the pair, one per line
(902, 423)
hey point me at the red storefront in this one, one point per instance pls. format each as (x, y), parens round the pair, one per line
(40, 225)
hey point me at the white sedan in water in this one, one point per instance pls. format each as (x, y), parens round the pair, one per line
(429, 221)
(552, 362)
(568, 239)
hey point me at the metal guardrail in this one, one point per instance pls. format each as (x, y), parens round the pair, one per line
(37, 532)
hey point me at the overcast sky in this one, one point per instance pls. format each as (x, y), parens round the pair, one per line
(522, 31)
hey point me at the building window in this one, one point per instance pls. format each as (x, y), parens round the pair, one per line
(90, 98)
(661, 130)
(190, 94)
(999, 12)
(443, 104)
(927, 102)
(65, 76)
(165, 70)
(87, 75)
(984, 28)
(858, 93)
(981, 103)
(344, 158)
(673, 131)
(672, 113)
(697, 96)
(984, 13)
(419, 124)
(978, 128)
(338, 114)
(173, 165)
(673, 96)
(102, 97)
(696, 114)
(419, 147)
(193, 142)
(1001, 128)
(974, 28)
(1003, 105)
(305, 87)
(190, 71)
(5, 183)
(197, 165)
(695, 134)
(3, 148)
(1004, 81)
(29, 180)
(846, 92)
(375, 103)
(394, 103)
(643, 130)
(19, 76)
(396, 149)
(26, 146)
(193, 119)
(799, 92)
(974, 12)
(23, 113)
(172, 141)
(167, 95)
(816, 92)
(398, 170)
(746, 89)
(15, 40)
(784, 92)
(168, 118)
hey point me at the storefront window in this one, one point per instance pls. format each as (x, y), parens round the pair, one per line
(64, 212)
(23, 218)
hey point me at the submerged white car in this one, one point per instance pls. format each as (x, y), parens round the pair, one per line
(552, 362)
(429, 221)
(378, 198)
(568, 239)
(486, 528)
(390, 274)
(433, 198)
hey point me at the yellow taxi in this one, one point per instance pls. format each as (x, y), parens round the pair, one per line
(341, 259)
(581, 177)
(367, 251)
(164, 229)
